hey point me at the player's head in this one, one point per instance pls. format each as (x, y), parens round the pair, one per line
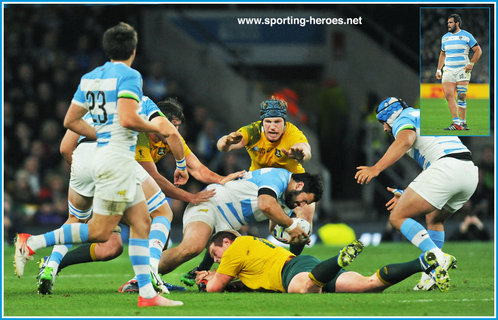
(273, 108)
(454, 23)
(307, 189)
(390, 109)
(273, 114)
(119, 42)
(220, 241)
(173, 110)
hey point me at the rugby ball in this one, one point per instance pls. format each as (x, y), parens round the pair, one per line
(281, 235)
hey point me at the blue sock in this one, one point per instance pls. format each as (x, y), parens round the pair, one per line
(138, 250)
(158, 235)
(417, 235)
(437, 237)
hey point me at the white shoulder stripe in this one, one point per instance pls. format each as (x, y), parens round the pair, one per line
(99, 84)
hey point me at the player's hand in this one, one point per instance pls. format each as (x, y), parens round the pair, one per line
(294, 153)
(365, 174)
(298, 236)
(392, 203)
(202, 196)
(468, 68)
(203, 275)
(439, 74)
(232, 176)
(234, 137)
(181, 177)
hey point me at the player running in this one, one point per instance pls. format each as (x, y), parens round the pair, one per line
(111, 93)
(448, 180)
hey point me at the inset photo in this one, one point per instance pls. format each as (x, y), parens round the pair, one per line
(454, 71)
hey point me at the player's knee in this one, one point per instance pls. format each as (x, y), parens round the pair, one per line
(395, 220)
(462, 96)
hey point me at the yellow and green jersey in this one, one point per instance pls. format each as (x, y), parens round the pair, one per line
(265, 153)
(257, 262)
(148, 150)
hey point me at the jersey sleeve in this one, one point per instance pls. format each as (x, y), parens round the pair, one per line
(149, 108)
(130, 85)
(405, 121)
(251, 133)
(142, 152)
(295, 135)
(274, 179)
(79, 98)
(472, 41)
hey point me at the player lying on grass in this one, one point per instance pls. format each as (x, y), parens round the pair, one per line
(448, 180)
(150, 149)
(260, 265)
(264, 194)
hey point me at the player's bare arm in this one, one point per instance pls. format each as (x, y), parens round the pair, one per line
(234, 140)
(475, 57)
(171, 190)
(300, 151)
(404, 141)
(218, 282)
(440, 64)
(74, 121)
(202, 173)
(274, 212)
(68, 143)
(172, 137)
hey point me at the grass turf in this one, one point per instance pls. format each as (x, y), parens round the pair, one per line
(91, 290)
(435, 115)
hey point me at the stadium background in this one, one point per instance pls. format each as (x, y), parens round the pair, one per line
(332, 75)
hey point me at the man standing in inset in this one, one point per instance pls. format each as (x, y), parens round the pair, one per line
(454, 56)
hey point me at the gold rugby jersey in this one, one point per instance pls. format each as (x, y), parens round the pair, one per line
(257, 262)
(265, 154)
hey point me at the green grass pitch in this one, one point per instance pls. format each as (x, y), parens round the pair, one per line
(91, 290)
(435, 115)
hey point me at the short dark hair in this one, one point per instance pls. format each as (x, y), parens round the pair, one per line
(171, 107)
(312, 183)
(120, 41)
(218, 237)
(456, 18)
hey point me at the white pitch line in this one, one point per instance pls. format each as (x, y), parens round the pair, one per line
(452, 300)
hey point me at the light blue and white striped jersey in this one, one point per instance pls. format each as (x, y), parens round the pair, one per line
(457, 46)
(237, 200)
(426, 149)
(98, 92)
(146, 108)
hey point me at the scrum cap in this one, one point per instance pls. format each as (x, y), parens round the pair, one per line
(389, 109)
(273, 108)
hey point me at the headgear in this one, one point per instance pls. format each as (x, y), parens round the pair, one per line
(389, 109)
(273, 108)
